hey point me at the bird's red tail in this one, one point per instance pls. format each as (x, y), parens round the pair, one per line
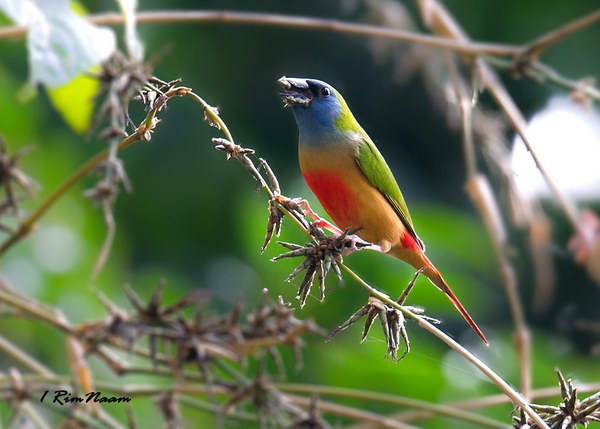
(436, 278)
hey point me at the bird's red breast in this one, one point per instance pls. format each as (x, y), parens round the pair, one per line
(348, 197)
(336, 196)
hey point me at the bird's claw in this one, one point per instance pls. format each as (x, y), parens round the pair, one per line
(318, 221)
(346, 242)
(352, 243)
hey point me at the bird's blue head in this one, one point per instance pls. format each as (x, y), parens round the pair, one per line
(319, 109)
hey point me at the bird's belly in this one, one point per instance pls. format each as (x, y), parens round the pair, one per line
(352, 202)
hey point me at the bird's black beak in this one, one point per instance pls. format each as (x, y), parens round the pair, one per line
(296, 92)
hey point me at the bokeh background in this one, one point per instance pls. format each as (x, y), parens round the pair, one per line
(196, 221)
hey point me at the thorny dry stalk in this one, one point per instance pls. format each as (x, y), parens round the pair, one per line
(122, 335)
(303, 22)
(309, 23)
(423, 323)
(392, 321)
(174, 342)
(120, 78)
(439, 19)
(569, 414)
(541, 43)
(377, 397)
(238, 152)
(472, 404)
(482, 196)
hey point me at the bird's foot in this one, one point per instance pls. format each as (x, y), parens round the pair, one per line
(319, 222)
(346, 242)
(350, 243)
(325, 224)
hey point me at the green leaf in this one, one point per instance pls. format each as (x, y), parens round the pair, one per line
(61, 44)
(75, 101)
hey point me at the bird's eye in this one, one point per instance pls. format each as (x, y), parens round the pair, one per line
(325, 92)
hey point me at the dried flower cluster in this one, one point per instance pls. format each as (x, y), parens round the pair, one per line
(392, 321)
(12, 178)
(570, 413)
(120, 78)
(173, 339)
(176, 339)
(320, 258)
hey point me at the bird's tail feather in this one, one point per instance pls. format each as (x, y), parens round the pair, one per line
(436, 278)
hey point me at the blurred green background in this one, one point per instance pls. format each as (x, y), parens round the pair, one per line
(196, 221)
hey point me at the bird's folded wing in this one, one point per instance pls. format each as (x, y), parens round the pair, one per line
(374, 167)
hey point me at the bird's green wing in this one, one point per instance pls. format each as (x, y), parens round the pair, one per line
(374, 167)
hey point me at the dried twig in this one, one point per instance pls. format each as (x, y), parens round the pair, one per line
(303, 22)
(481, 194)
(536, 47)
(439, 19)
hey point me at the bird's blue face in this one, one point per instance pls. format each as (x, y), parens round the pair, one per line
(316, 106)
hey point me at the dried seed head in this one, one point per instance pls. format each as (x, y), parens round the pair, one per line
(569, 413)
(320, 257)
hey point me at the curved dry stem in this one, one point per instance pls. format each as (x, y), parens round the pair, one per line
(16, 353)
(33, 309)
(300, 22)
(215, 120)
(493, 400)
(435, 409)
(442, 22)
(480, 191)
(542, 42)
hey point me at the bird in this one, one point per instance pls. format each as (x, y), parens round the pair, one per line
(352, 181)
